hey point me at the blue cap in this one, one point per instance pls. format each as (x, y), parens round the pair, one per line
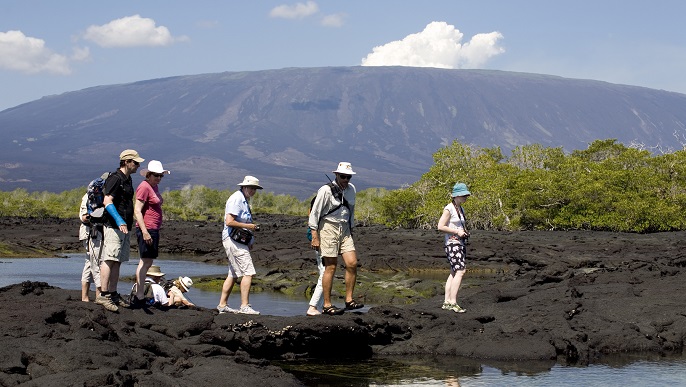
(460, 189)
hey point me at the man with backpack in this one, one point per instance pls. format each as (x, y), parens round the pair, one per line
(118, 201)
(331, 221)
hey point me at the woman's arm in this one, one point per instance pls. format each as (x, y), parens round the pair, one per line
(138, 213)
(231, 221)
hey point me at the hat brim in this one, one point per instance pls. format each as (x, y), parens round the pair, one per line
(155, 274)
(461, 193)
(136, 159)
(145, 171)
(344, 172)
(250, 185)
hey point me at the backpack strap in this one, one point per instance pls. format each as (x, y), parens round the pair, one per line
(340, 198)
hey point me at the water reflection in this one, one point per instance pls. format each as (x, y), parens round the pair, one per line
(648, 370)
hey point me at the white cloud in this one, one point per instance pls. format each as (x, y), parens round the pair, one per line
(19, 52)
(335, 20)
(80, 54)
(297, 11)
(439, 45)
(131, 31)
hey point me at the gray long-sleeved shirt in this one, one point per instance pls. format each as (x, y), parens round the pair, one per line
(325, 202)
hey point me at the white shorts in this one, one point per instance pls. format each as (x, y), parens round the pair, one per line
(240, 261)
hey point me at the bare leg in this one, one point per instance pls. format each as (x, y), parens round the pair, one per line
(452, 285)
(448, 282)
(143, 266)
(327, 278)
(226, 290)
(85, 287)
(245, 290)
(350, 259)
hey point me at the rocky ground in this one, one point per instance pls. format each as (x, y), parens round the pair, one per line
(555, 296)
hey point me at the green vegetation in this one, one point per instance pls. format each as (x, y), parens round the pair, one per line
(606, 187)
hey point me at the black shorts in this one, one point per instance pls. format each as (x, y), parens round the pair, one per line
(456, 254)
(145, 250)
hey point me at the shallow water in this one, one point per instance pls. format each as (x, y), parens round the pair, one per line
(65, 273)
(449, 371)
(650, 370)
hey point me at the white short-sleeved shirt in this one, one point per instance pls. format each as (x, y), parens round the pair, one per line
(237, 206)
(457, 220)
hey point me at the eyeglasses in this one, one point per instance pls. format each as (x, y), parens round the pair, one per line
(345, 177)
(160, 175)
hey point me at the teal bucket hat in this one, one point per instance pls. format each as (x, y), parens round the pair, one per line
(460, 189)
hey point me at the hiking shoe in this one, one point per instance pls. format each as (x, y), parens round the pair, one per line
(457, 309)
(447, 306)
(226, 309)
(332, 310)
(350, 305)
(119, 301)
(247, 310)
(106, 301)
(136, 303)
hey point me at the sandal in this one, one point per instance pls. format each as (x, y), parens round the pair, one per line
(350, 305)
(332, 310)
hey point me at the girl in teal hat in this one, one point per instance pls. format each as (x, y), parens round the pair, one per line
(453, 224)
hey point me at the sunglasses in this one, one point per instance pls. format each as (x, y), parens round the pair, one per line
(158, 174)
(136, 163)
(345, 177)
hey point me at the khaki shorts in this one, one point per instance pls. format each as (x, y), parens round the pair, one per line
(240, 261)
(335, 239)
(91, 268)
(117, 245)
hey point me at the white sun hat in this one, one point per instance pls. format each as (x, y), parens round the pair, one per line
(344, 168)
(186, 283)
(250, 181)
(154, 166)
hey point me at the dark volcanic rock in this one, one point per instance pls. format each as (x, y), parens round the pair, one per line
(554, 296)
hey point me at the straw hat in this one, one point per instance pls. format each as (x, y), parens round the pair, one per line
(154, 271)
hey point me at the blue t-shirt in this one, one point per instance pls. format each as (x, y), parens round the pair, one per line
(237, 206)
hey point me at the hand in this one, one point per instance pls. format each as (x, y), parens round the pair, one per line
(147, 238)
(255, 227)
(315, 241)
(124, 229)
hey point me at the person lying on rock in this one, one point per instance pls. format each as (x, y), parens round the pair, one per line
(176, 293)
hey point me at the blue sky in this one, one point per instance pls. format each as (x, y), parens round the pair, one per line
(50, 47)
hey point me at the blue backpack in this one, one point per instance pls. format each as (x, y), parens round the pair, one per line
(94, 205)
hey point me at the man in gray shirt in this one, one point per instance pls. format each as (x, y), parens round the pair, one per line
(331, 221)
